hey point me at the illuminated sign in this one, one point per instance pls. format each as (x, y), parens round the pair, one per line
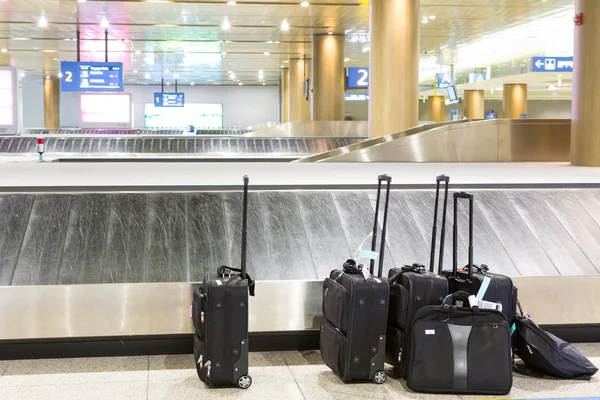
(91, 77)
(169, 99)
(476, 77)
(357, 78)
(442, 81)
(104, 108)
(552, 64)
(356, 97)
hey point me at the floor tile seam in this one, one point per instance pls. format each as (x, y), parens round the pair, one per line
(148, 380)
(295, 380)
(72, 383)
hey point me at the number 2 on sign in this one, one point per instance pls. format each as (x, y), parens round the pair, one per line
(363, 79)
(69, 77)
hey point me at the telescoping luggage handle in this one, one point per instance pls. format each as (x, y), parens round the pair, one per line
(446, 180)
(380, 179)
(457, 196)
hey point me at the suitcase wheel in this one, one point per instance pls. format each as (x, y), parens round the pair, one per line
(244, 382)
(379, 377)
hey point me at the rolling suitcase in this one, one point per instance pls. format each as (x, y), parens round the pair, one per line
(352, 338)
(412, 288)
(220, 315)
(477, 280)
(460, 350)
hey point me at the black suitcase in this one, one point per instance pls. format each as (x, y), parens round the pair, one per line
(352, 336)
(500, 288)
(460, 350)
(412, 288)
(220, 315)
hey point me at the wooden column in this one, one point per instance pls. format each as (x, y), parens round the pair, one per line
(285, 96)
(299, 106)
(514, 100)
(327, 102)
(474, 104)
(394, 66)
(436, 108)
(585, 129)
(52, 103)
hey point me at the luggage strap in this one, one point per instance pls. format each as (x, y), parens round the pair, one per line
(251, 284)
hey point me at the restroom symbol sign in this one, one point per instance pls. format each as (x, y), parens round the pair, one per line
(552, 64)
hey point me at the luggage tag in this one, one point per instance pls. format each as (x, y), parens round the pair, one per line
(478, 299)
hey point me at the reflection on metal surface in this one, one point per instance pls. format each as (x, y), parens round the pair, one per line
(315, 129)
(478, 141)
(69, 311)
(367, 144)
(136, 132)
(70, 146)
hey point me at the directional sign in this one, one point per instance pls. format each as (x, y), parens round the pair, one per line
(476, 77)
(91, 77)
(442, 81)
(357, 78)
(356, 97)
(552, 64)
(169, 99)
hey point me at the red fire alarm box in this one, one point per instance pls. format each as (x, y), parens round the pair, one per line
(578, 19)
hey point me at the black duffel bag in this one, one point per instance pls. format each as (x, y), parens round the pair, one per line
(543, 352)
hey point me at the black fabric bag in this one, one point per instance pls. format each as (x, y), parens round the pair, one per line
(459, 350)
(543, 352)
(412, 288)
(352, 338)
(220, 315)
(500, 288)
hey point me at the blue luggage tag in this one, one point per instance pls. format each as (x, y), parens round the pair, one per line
(513, 328)
(484, 287)
(372, 255)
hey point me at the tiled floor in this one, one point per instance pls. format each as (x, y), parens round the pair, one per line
(282, 376)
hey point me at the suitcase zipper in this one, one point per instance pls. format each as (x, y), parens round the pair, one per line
(202, 317)
(207, 365)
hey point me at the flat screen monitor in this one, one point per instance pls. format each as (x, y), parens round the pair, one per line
(452, 93)
(199, 115)
(106, 108)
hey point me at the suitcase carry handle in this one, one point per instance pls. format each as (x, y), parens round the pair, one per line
(223, 268)
(460, 295)
(470, 197)
(446, 180)
(380, 179)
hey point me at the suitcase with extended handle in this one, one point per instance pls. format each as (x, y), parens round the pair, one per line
(220, 315)
(355, 309)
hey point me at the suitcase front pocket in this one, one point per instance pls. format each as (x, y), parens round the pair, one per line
(335, 304)
(398, 311)
(333, 347)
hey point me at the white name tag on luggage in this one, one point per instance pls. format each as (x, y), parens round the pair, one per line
(371, 255)
(484, 305)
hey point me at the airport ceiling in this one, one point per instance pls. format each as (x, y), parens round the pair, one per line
(188, 38)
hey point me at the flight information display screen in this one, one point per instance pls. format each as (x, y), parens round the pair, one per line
(91, 77)
(199, 115)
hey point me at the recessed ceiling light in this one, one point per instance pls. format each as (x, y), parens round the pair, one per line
(286, 61)
(277, 41)
(551, 87)
(135, 71)
(47, 77)
(81, 1)
(282, 66)
(432, 17)
(147, 76)
(22, 74)
(223, 52)
(346, 59)
(305, 4)
(176, 76)
(228, 41)
(166, 71)
(104, 23)
(231, 3)
(192, 84)
(424, 21)
(4, 50)
(60, 75)
(330, 33)
(285, 26)
(241, 83)
(264, 84)
(42, 22)
(267, 53)
(168, 83)
(226, 25)
(137, 52)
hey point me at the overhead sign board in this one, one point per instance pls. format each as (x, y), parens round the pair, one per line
(442, 81)
(91, 77)
(356, 97)
(552, 64)
(169, 99)
(357, 78)
(476, 77)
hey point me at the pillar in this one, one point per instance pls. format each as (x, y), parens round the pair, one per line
(514, 100)
(474, 104)
(299, 106)
(585, 130)
(327, 102)
(52, 103)
(394, 66)
(436, 108)
(285, 96)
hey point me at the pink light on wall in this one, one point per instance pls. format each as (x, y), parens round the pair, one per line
(106, 108)
(6, 98)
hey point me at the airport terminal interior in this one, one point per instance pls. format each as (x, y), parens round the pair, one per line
(127, 126)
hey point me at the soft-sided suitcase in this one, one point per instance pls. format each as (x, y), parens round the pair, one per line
(460, 350)
(355, 308)
(412, 288)
(496, 288)
(220, 315)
